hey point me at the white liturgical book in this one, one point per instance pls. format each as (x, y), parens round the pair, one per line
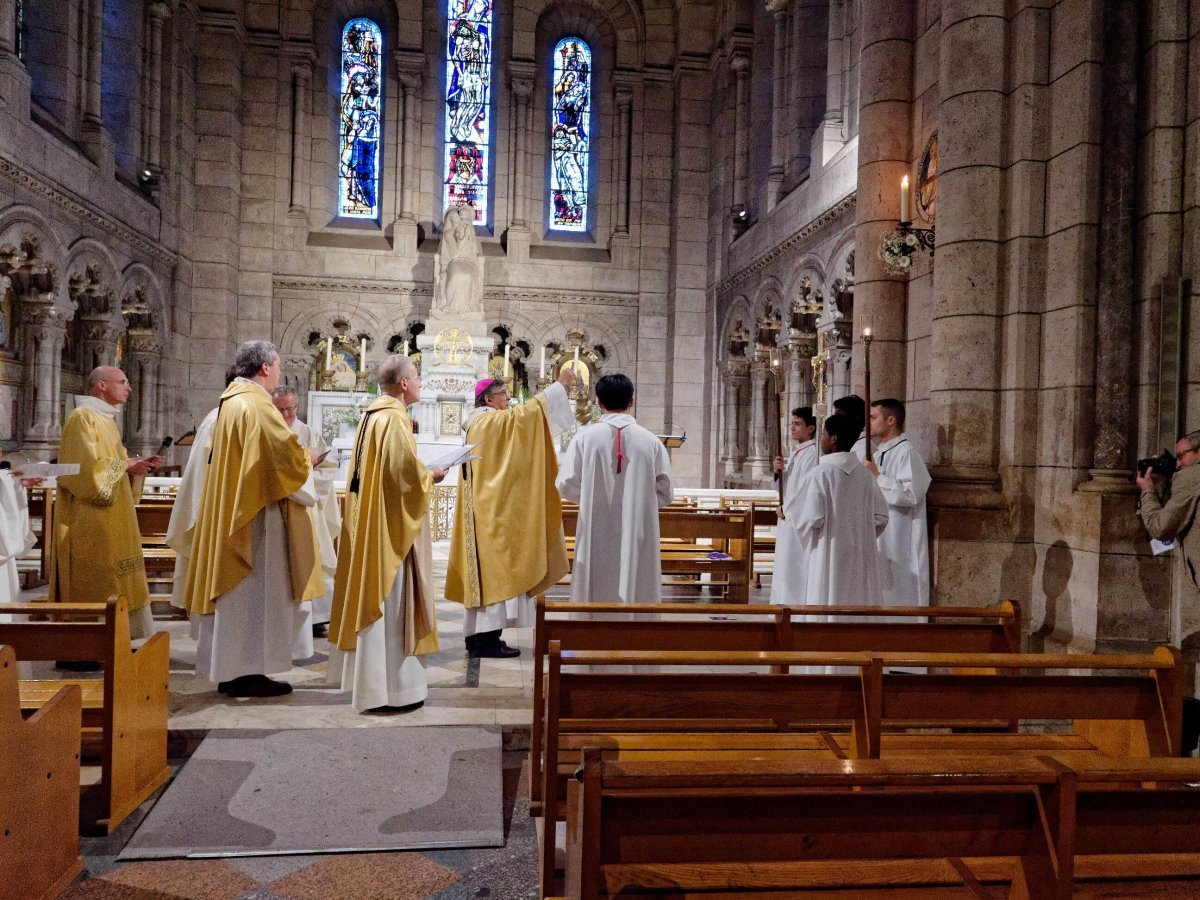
(46, 470)
(1158, 548)
(457, 457)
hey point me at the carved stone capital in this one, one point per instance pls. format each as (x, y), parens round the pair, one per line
(740, 64)
(778, 8)
(143, 342)
(410, 68)
(159, 11)
(522, 87)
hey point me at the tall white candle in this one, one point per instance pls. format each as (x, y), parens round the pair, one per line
(904, 210)
(406, 346)
(576, 355)
(542, 370)
(329, 353)
(362, 355)
(507, 362)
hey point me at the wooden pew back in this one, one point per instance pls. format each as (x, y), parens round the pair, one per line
(128, 706)
(39, 789)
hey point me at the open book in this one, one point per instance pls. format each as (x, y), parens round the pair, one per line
(456, 457)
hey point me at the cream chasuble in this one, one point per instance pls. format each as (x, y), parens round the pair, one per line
(383, 614)
(327, 518)
(508, 541)
(97, 544)
(182, 526)
(904, 481)
(254, 555)
(620, 488)
(788, 572)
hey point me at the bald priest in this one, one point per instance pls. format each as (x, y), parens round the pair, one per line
(254, 554)
(383, 617)
(507, 544)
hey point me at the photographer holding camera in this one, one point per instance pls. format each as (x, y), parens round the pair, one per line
(1175, 519)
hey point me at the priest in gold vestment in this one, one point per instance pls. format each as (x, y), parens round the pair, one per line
(254, 555)
(507, 543)
(97, 544)
(383, 617)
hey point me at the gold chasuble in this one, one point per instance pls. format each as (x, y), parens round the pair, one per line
(97, 544)
(385, 526)
(256, 460)
(508, 537)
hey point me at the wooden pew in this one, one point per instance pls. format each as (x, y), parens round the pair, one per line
(680, 534)
(39, 790)
(688, 829)
(124, 711)
(1130, 715)
(41, 511)
(683, 626)
(153, 515)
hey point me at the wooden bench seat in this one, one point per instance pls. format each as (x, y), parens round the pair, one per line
(39, 790)
(1039, 827)
(682, 626)
(124, 710)
(1135, 714)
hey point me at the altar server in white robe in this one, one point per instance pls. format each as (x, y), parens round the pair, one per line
(620, 475)
(254, 554)
(904, 480)
(16, 537)
(787, 573)
(838, 513)
(327, 518)
(855, 407)
(383, 602)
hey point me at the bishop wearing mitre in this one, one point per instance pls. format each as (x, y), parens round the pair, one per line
(254, 554)
(383, 617)
(507, 544)
(97, 543)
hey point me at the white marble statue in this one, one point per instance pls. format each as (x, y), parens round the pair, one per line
(458, 267)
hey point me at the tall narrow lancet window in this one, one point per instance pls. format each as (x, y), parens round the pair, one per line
(570, 135)
(361, 125)
(468, 105)
(20, 29)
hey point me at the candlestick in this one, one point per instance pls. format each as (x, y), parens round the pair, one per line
(904, 211)
(329, 353)
(542, 369)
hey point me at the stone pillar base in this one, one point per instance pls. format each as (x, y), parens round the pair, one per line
(1109, 481)
(516, 243)
(620, 251)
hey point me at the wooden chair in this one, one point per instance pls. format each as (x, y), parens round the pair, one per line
(124, 711)
(39, 790)
(681, 626)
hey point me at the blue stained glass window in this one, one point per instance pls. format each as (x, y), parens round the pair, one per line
(570, 135)
(361, 120)
(468, 104)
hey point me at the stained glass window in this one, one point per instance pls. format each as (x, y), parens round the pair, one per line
(20, 29)
(570, 135)
(361, 123)
(468, 104)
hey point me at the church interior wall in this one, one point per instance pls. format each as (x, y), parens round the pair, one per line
(1029, 350)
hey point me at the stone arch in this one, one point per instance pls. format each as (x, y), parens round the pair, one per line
(24, 226)
(808, 265)
(741, 311)
(840, 279)
(294, 340)
(90, 267)
(555, 326)
(140, 286)
(621, 18)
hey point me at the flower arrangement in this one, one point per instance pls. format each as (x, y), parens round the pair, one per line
(896, 250)
(335, 419)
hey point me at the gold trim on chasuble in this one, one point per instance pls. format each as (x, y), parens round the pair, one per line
(109, 480)
(472, 548)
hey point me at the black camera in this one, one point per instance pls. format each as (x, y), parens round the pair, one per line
(1163, 464)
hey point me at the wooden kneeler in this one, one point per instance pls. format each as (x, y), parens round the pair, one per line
(39, 790)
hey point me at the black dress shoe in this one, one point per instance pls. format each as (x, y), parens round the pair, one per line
(254, 686)
(320, 631)
(79, 665)
(408, 707)
(494, 650)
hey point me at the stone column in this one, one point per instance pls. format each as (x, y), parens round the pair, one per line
(735, 374)
(740, 64)
(301, 92)
(828, 138)
(8, 28)
(94, 22)
(760, 390)
(522, 90)
(158, 12)
(967, 280)
(779, 107)
(799, 378)
(1115, 266)
(100, 338)
(739, 386)
(44, 328)
(624, 131)
(144, 353)
(839, 339)
(883, 158)
(410, 91)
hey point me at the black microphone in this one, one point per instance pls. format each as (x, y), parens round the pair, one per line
(166, 442)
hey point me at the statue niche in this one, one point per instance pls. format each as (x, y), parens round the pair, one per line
(458, 269)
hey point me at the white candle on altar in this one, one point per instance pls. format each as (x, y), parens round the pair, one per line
(904, 211)
(406, 346)
(362, 356)
(542, 370)
(507, 362)
(329, 353)
(576, 356)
